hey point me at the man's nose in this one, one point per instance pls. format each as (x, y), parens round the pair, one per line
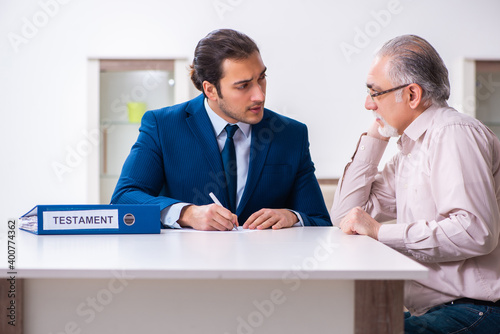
(258, 93)
(370, 104)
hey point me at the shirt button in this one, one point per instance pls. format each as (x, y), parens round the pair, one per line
(362, 147)
(409, 155)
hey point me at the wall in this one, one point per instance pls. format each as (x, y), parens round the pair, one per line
(317, 52)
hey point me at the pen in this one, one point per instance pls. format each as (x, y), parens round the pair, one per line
(216, 201)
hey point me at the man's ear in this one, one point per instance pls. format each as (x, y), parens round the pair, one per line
(210, 91)
(415, 95)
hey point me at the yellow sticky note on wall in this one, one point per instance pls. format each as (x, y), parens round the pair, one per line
(135, 111)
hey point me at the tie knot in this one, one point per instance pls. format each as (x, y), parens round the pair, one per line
(231, 130)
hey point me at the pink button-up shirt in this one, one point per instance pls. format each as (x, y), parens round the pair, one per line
(443, 187)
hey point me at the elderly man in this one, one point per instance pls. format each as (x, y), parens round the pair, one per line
(443, 189)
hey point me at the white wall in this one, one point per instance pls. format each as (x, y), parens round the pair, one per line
(43, 86)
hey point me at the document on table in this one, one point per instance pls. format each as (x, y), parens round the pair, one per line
(239, 229)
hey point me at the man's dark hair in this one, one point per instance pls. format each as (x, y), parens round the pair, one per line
(212, 50)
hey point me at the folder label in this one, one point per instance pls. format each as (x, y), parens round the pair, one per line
(75, 220)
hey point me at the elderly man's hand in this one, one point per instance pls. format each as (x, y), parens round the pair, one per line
(357, 221)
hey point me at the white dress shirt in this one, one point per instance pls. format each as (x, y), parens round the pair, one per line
(443, 187)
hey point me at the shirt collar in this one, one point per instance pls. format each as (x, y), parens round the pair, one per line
(418, 127)
(219, 123)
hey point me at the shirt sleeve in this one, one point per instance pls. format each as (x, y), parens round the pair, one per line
(364, 186)
(461, 162)
(171, 214)
(300, 223)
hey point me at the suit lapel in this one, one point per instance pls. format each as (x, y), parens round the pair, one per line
(261, 140)
(202, 129)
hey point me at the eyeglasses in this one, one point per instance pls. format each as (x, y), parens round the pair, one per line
(385, 91)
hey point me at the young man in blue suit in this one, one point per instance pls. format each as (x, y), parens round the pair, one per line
(256, 162)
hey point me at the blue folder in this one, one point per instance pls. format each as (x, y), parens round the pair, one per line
(92, 219)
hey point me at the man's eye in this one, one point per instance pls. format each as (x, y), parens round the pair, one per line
(241, 87)
(263, 77)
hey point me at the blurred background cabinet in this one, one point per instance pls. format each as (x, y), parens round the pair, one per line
(488, 94)
(122, 90)
(482, 92)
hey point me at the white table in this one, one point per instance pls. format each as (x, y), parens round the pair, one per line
(298, 280)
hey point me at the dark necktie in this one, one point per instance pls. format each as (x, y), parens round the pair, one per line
(229, 160)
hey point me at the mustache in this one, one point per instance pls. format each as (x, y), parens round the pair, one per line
(376, 115)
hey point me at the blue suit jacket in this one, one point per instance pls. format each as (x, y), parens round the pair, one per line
(176, 159)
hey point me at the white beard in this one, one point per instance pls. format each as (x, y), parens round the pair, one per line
(386, 130)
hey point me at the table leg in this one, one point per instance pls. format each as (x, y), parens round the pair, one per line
(379, 307)
(11, 301)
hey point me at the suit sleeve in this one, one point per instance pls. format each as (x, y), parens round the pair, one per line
(142, 176)
(306, 196)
